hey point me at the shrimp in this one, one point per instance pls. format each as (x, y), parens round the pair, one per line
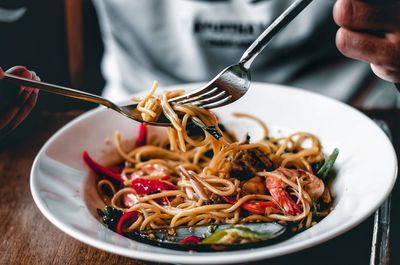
(277, 187)
(313, 185)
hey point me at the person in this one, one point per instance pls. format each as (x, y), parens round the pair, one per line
(16, 103)
(179, 42)
(371, 33)
(189, 41)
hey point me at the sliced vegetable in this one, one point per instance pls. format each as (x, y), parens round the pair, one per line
(316, 166)
(191, 240)
(255, 206)
(328, 165)
(260, 207)
(110, 216)
(210, 129)
(187, 237)
(142, 137)
(147, 186)
(99, 169)
(235, 234)
(127, 217)
(229, 199)
(314, 209)
(193, 130)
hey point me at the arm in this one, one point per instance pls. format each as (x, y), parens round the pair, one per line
(15, 102)
(370, 31)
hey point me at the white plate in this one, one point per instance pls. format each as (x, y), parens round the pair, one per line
(64, 189)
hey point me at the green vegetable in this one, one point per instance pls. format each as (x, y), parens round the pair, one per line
(328, 165)
(235, 234)
(314, 209)
(210, 129)
(317, 165)
(110, 216)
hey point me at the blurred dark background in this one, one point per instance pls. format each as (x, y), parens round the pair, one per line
(38, 40)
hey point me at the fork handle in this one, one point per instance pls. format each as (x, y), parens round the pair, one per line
(282, 21)
(60, 90)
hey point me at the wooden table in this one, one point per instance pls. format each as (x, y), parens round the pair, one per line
(27, 237)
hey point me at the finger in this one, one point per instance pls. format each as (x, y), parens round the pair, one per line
(9, 92)
(20, 71)
(386, 74)
(23, 72)
(368, 48)
(24, 111)
(35, 76)
(361, 15)
(8, 115)
(12, 96)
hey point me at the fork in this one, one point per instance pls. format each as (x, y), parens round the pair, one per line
(129, 111)
(234, 81)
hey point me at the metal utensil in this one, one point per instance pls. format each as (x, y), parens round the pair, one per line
(233, 82)
(129, 111)
(380, 248)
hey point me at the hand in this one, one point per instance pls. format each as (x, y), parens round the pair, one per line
(370, 31)
(15, 102)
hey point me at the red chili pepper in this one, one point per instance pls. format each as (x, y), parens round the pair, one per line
(99, 169)
(229, 199)
(255, 206)
(127, 216)
(146, 186)
(142, 137)
(191, 240)
(260, 207)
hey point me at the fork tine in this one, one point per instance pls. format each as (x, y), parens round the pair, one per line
(209, 100)
(199, 97)
(220, 103)
(200, 91)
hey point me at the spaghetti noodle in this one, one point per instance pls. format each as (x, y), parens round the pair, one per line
(196, 179)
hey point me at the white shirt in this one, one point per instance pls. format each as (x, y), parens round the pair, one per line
(181, 41)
